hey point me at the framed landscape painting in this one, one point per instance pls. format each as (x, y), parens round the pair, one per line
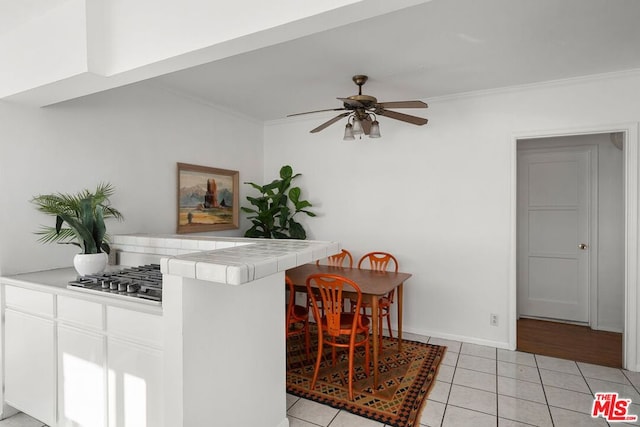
(207, 199)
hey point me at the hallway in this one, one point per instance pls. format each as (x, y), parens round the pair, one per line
(574, 342)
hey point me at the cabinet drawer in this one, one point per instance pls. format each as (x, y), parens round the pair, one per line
(29, 360)
(35, 302)
(143, 328)
(80, 312)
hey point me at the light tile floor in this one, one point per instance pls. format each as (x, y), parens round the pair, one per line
(484, 386)
(21, 420)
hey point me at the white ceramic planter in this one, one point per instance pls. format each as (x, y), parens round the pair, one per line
(86, 264)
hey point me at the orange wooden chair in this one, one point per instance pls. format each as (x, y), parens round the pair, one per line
(338, 259)
(338, 328)
(380, 261)
(297, 315)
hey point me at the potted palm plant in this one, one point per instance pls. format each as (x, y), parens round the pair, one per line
(84, 214)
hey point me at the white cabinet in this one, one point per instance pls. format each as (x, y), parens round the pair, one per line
(75, 362)
(29, 378)
(108, 376)
(135, 368)
(135, 385)
(82, 391)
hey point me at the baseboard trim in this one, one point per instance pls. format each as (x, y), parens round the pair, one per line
(461, 338)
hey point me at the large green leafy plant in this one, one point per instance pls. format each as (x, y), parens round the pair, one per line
(274, 211)
(84, 213)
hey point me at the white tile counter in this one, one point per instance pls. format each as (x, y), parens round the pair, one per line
(229, 260)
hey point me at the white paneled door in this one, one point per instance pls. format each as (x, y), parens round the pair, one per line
(554, 205)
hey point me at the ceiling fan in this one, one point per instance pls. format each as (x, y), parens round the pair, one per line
(362, 111)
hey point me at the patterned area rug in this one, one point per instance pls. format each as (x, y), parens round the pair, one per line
(404, 380)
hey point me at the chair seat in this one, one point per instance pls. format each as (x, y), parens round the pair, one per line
(346, 320)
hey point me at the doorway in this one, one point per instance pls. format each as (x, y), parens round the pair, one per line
(571, 235)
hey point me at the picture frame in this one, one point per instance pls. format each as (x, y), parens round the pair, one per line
(208, 199)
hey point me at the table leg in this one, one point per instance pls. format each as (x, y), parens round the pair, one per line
(400, 317)
(374, 321)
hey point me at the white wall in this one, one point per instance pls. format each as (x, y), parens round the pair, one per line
(610, 237)
(440, 197)
(131, 137)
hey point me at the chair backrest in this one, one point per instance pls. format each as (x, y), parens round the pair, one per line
(328, 289)
(338, 260)
(379, 261)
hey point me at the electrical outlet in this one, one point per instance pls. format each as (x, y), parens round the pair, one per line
(493, 319)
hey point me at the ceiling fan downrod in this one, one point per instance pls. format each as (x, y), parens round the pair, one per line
(360, 80)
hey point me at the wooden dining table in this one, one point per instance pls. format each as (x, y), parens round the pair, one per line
(373, 285)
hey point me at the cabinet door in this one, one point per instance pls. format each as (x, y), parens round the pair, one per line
(81, 378)
(135, 385)
(30, 365)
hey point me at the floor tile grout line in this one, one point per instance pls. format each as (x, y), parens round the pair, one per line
(524, 399)
(481, 372)
(585, 380)
(474, 410)
(497, 394)
(334, 418)
(306, 421)
(630, 382)
(567, 409)
(544, 391)
(519, 422)
(446, 405)
(589, 385)
(568, 389)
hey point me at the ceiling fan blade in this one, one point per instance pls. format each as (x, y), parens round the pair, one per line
(330, 122)
(402, 104)
(352, 102)
(402, 117)
(317, 111)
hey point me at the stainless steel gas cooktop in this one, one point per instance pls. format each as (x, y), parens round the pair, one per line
(143, 283)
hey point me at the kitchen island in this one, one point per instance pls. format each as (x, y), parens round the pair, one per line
(212, 354)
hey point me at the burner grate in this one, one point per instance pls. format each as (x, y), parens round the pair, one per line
(143, 282)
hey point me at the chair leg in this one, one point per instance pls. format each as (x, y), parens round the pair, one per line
(351, 355)
(318, 359)
(389, 322)
(307, 339)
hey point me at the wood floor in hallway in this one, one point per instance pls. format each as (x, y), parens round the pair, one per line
(565, 341)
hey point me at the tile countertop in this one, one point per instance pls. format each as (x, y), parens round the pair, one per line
(230, 260)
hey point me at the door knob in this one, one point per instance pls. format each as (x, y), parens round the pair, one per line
(582, 246)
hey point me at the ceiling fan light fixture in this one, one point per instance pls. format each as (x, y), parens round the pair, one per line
(357, 126)
(374, 132)
(348, 133)
(361, 110)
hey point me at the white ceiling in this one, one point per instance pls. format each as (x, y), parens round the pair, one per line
(438, 48)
